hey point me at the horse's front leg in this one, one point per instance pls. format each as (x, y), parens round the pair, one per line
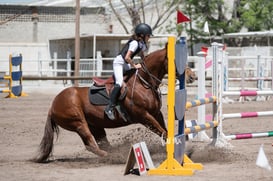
(156, 124)
(161, 120)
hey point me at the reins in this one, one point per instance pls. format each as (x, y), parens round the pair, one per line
(152, 82)
(133, 88)
(148, 85)
(148, 72)
(154, 79)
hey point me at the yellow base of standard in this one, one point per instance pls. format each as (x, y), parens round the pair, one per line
(172, 167)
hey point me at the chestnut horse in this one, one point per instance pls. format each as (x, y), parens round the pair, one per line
(72, 110)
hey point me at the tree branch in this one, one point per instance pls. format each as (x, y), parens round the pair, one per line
(118, 16)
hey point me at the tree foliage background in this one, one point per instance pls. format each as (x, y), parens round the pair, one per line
(136, 10)
(222, 16)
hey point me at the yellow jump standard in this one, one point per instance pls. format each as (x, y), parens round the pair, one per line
(171, 166)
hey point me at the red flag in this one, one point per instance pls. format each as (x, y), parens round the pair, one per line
(181, 17)
(205, 50)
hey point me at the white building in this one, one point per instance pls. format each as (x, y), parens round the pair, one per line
(43, 31)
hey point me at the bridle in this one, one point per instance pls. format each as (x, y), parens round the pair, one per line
(154, 84)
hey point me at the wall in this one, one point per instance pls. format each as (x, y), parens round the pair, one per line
(30, 51)
(37, 25)
(26, 30)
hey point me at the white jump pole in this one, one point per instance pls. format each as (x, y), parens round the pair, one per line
(247, 93)
(217, 89)
(272, 75)
(202, 136)
(248, 114)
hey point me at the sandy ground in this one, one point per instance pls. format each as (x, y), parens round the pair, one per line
(22, 122)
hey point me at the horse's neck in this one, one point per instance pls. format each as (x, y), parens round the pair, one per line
(156, 70)
(149, 77)
(153, 67)
(156, 64)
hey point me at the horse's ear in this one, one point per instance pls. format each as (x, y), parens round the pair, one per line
(166, 45)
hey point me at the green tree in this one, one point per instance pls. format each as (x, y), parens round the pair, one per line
(256, 15)
(212, 11)
(215, 12)
(135, 10)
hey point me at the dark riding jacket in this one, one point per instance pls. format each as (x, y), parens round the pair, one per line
(124, 50)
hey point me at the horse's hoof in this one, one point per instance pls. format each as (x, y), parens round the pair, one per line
(105, 146)
(97, 151)
(103, 153)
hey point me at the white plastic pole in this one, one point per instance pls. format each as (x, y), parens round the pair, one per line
(99, 63)
(201, 87)
(202, 136)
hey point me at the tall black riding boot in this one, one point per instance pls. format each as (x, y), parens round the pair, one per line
(109, 110)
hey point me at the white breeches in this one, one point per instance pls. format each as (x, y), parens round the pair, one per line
(120, 66)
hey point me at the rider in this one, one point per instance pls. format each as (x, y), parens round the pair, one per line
(124, 61)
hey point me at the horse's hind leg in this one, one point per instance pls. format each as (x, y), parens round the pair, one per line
(100, 136)
(89, 140)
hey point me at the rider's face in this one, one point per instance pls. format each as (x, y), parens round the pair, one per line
(146, 38)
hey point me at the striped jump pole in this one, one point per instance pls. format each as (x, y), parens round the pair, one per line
(5, 77)
(201, 127)
(4, 91)
(250, 135)
(248, 114)
(221, 79)
(4, 83)
(201, 119)
(202, 101)
(247, 93)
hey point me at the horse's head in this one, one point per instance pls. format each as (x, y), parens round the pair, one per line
(157, 64)
(190, 75)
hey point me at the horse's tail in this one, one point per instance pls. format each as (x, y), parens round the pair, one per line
(46, 145)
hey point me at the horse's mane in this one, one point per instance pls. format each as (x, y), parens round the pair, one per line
(131, 72)
(156, 51)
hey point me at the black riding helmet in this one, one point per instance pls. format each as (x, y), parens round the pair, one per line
(143, 29)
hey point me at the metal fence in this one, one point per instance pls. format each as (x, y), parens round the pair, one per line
(63, 69)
